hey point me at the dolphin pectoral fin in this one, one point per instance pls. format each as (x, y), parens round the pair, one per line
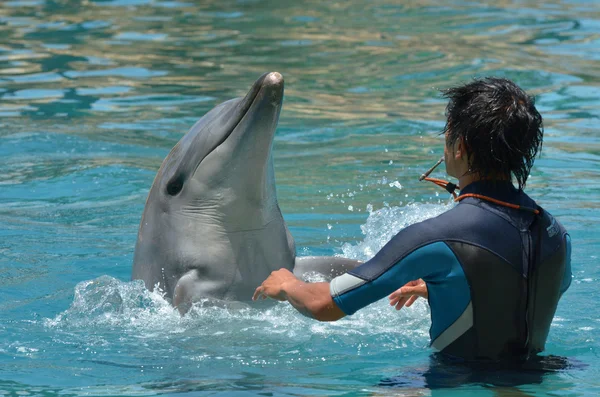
(184, 291)
(329, 266)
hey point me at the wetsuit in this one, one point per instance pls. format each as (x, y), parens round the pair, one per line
(494, 274)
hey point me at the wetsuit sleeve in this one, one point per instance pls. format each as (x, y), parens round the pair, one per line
(397, 263)
(566, 281)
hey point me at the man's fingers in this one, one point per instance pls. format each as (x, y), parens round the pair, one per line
(257, 293)
(414, 291)
(408, 294)
(411, 300)
(405, 297)
(400, 303)
(395, 299)
(400, 293)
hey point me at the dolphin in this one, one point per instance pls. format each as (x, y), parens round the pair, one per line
(212, 227)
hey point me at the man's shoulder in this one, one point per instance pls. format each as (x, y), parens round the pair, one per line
(470, 222)
(448, 225)
(551, 223)
(460, 216)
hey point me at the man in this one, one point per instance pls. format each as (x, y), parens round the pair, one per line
(493, 267)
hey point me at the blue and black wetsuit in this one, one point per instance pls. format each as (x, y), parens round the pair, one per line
(494, 274)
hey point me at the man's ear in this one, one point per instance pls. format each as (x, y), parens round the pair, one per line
(460, 148)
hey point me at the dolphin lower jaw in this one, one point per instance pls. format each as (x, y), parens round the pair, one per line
(250, 145)
(262, 106)
(263, 101)
(246, 150)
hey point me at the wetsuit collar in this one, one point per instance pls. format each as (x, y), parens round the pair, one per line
(499, 190)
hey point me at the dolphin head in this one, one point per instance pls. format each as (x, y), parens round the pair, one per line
(212, 212)
(225, 160)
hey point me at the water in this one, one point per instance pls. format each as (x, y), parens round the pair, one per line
(94, 94)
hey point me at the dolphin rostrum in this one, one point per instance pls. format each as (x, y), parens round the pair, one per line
(212, 227)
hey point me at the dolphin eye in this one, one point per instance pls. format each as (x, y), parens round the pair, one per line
(175, 185)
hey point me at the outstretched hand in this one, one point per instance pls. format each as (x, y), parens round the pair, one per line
(408, 294)
(272, 287)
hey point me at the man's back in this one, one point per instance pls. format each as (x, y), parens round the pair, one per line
(517, 265)
(475, 260)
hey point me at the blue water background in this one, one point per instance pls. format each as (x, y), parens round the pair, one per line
(94, 94)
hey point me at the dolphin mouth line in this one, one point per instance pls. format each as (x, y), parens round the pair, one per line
(244, 112)
(245, 108)
(248, 104)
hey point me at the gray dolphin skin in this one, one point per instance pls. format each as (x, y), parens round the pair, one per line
(212, 227)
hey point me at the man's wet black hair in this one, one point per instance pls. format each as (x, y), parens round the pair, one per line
(500, 125)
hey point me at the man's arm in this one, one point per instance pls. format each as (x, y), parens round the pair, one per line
(373, 280)
(417, 252)
(311, 299)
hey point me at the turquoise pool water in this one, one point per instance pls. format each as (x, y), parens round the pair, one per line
(94, 94)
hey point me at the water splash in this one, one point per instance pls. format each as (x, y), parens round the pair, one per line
(385, 223)
(109, 302)
(112, 316)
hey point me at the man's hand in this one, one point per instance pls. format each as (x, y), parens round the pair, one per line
(311, 299)
(408, 294)
(272, 287)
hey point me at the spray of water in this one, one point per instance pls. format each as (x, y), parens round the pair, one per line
(385, 223)
(111, 306)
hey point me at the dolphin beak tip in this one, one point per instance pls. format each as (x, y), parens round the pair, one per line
(273, 78)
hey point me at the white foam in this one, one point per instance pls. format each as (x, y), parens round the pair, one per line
(109, 304)
(385, 223)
